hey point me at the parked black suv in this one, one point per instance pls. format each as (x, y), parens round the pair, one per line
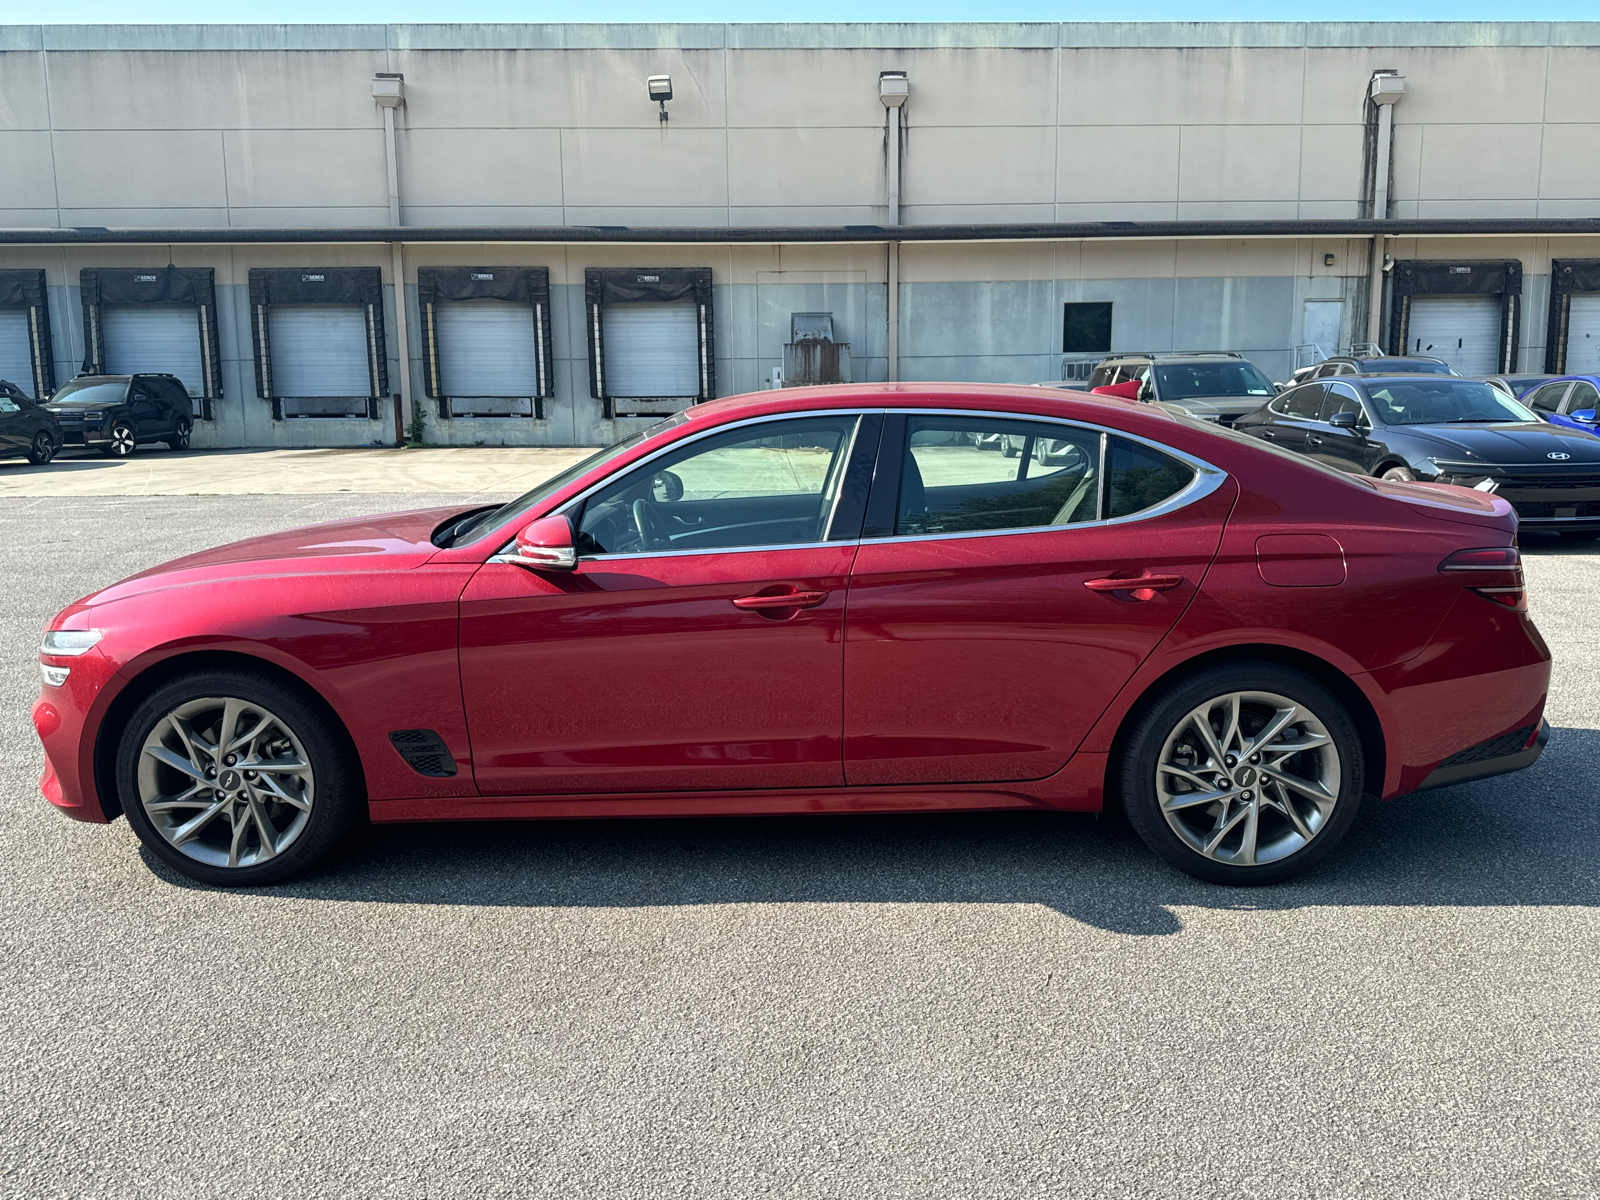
(1387, 364)
(115, 413)
(25, 427)
(1219, 385)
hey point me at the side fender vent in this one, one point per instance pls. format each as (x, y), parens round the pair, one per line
(424, 752)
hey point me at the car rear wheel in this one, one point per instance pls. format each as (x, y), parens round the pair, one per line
(235, 778)
(1246, 773)
(122, 443)
(1399, 475)
(180, 439)
(43, 448)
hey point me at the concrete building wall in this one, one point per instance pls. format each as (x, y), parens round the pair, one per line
(239, 128)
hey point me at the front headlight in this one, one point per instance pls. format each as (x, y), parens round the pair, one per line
(69, 643)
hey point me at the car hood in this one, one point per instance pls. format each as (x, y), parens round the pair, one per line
(78, 405)
(395, 541)
(1233, 406)
(1528, 443)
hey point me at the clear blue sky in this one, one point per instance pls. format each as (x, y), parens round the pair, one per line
(380, 11)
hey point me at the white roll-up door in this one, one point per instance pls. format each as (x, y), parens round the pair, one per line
(161, 338)
(487, 348)
(319, 350)
(1583, 334)
(1462, 330)
(651, 348)
(16, 350)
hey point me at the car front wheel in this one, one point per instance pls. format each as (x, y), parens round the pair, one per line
(235, 778)
(123, 441)
(43, 448)
(1243, 774)
(1399, 475)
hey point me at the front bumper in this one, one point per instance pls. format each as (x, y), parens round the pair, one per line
(1498, 756)
(79, 434)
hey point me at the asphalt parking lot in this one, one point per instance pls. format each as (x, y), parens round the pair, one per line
(913, 1006)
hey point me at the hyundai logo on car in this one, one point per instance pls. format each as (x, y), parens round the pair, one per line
(1557, 454)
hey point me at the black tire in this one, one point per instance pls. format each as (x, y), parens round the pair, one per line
(123, 441)
(1007, 450)
(338, 794)
(43, 448)
(1163, 716)
(180, 439)
(1399, 475)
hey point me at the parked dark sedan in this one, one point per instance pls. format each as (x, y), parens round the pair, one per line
(116, 413)
(1443, 430)
(1386, 364)
(25, 427)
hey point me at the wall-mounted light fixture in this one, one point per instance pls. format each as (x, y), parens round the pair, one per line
(1327, 260)
(660, 87)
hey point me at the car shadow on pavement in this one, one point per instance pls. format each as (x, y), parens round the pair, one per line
(1523, 839)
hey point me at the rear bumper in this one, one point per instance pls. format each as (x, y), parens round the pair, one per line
(1490, 758)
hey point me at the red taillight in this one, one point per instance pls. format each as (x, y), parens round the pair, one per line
(1494, 572)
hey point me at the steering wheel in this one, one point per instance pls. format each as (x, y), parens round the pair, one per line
(648, 524)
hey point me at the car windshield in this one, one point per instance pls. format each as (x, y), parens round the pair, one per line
(1184, 380)
(91, 393)
(1444, 402)
(496, 517)
(1404, 366)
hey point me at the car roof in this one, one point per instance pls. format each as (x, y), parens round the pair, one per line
(1014, 397)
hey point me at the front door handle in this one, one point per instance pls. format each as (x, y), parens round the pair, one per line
(1268, 433)
(782, 600)
(1313, 440)
(1140, 587)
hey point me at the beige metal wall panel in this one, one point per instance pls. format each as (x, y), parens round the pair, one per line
(1499, 85)
(348, 217)
(466, 168)
(1128, 260)
(843, 91)
(1570, 93)
(306, 168)
(1479, 162)
(1128, 163)
(654, 168)
(1239, 162)
(1230, 257)
(27, 169)
(190, 90)
(799, 167)
(976, 165)
(23, 100)
(980, 262)
(975, 86)
(1203, 86)
(470, 214)
(1336, 79)
(112, 169)
(1570, 160)
(1330, 163)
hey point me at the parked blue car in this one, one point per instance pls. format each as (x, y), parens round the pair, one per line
(1570, 400)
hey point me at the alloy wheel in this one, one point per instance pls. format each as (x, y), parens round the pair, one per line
(225, 782)
(181, 441)
(44, 449)
(1248, 778)
(122, 441)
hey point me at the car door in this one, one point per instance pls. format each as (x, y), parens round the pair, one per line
(176, 407)
(15, 429)
(1583, 398)
(698, 643)
(1294, 415)
(1346, 449)
(144, 409)
(986, 631)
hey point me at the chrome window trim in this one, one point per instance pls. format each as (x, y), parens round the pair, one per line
(1208, 478)
(583, 496)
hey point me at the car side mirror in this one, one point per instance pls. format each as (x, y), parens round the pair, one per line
(548, 544)
(1344, 420)
(1586, 415)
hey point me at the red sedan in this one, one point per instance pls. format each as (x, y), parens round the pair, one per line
(822, 600)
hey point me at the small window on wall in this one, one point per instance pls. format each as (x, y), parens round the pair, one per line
(1086, 328)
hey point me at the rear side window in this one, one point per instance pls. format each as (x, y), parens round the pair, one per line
(975, 475)
(1305, 402)
(1140, 477)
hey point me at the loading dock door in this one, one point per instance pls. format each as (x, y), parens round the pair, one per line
(163, 338)
(16, 351)
(1583, 335)
(1462, 330)
(319, 350)
(652, 348)
(488, 356)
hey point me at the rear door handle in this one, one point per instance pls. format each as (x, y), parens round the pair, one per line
(782, 600)
(1140, 587)
(1268, 433)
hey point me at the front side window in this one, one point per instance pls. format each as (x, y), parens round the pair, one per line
(1103, 375)
(1426, 401)
(1341, 399)
(768, 484)
(1140, 477)
(1305, 402)
(952, 482)
(1583, 397)
(1198, 380)
(8, 405)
